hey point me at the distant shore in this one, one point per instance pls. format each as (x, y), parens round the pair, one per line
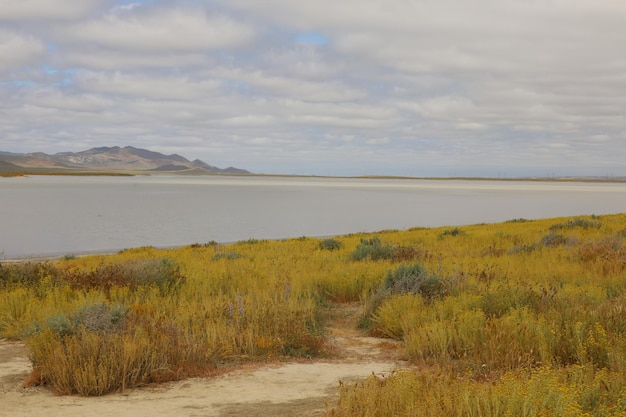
(85, 173)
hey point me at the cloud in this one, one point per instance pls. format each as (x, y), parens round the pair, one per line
(281, 85)
(147, 86)
(18, 50)
(411, 88)
(28, 10)
(175, 30)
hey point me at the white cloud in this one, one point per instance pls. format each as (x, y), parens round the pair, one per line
(281, 85)
(175, 30)
(141, 85)
(16, 10)
(17, 50)
(407, 86)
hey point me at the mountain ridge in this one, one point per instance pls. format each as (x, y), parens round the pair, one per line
(114, 158)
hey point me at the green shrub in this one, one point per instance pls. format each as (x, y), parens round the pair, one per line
(230, 255)
(575, 223)
(58, 324)
(373, 249)
(330, 244)
(406, 279)
(553, 239)
(451, 232)
(101, 317)
(522, 249)
(519, 220)
(250, 241)
(98, 317)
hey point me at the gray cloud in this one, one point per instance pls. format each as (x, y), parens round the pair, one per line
(161, 30)
(47, 10)
(19, 50)
(352, 87)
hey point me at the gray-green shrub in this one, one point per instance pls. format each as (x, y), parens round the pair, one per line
(330, 244)
(414, 279)
(373, 249)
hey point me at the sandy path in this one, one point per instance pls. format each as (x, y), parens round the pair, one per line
(287, 389)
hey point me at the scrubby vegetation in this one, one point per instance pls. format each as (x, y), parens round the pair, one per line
(529, 319)
(522, 318)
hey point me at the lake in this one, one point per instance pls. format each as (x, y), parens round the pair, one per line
(58, 215)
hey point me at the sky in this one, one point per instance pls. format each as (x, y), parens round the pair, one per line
(495, 88)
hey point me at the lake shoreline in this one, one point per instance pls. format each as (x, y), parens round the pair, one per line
(53, 217)
(127, 173)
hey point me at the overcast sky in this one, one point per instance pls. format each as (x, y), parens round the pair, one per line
(326, 87)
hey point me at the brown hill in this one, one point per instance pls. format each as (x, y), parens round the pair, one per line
(110, 159)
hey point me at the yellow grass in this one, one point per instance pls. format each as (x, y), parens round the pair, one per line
(520, 307)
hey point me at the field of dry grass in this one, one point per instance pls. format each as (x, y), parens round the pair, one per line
(517, 318)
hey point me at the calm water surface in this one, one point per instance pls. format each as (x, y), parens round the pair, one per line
(60, 215)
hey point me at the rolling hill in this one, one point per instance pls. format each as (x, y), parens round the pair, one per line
(103, 159)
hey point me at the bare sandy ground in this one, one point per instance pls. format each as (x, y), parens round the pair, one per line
(302, 388)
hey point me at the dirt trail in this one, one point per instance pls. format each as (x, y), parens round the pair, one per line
(299, 388)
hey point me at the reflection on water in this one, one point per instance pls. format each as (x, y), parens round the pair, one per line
(59, 215)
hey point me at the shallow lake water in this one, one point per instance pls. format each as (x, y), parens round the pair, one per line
(57, 215)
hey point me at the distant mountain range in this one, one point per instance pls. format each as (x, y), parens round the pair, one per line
(105, 159)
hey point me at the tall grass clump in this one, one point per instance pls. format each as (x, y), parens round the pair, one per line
(106, 323)
(26, 275)
(560, 393)
(99, 355)
(404, 279)
(163, 274)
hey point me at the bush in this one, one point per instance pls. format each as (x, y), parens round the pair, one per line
(91, 363)
(101, 317)
(26, 274)
(161, 273)
(101, 348)
(452, 232)
(373, 249)
(577, 222)
(519, 220)
(553, 239)
(98, 317)
(250, 241)
(526, 249)
(609, 252)
(413, 279)
(409, 253)
(226, 255)
(330, 244)
(405, 279)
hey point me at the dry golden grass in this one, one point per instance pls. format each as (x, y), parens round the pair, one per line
(516, 318)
